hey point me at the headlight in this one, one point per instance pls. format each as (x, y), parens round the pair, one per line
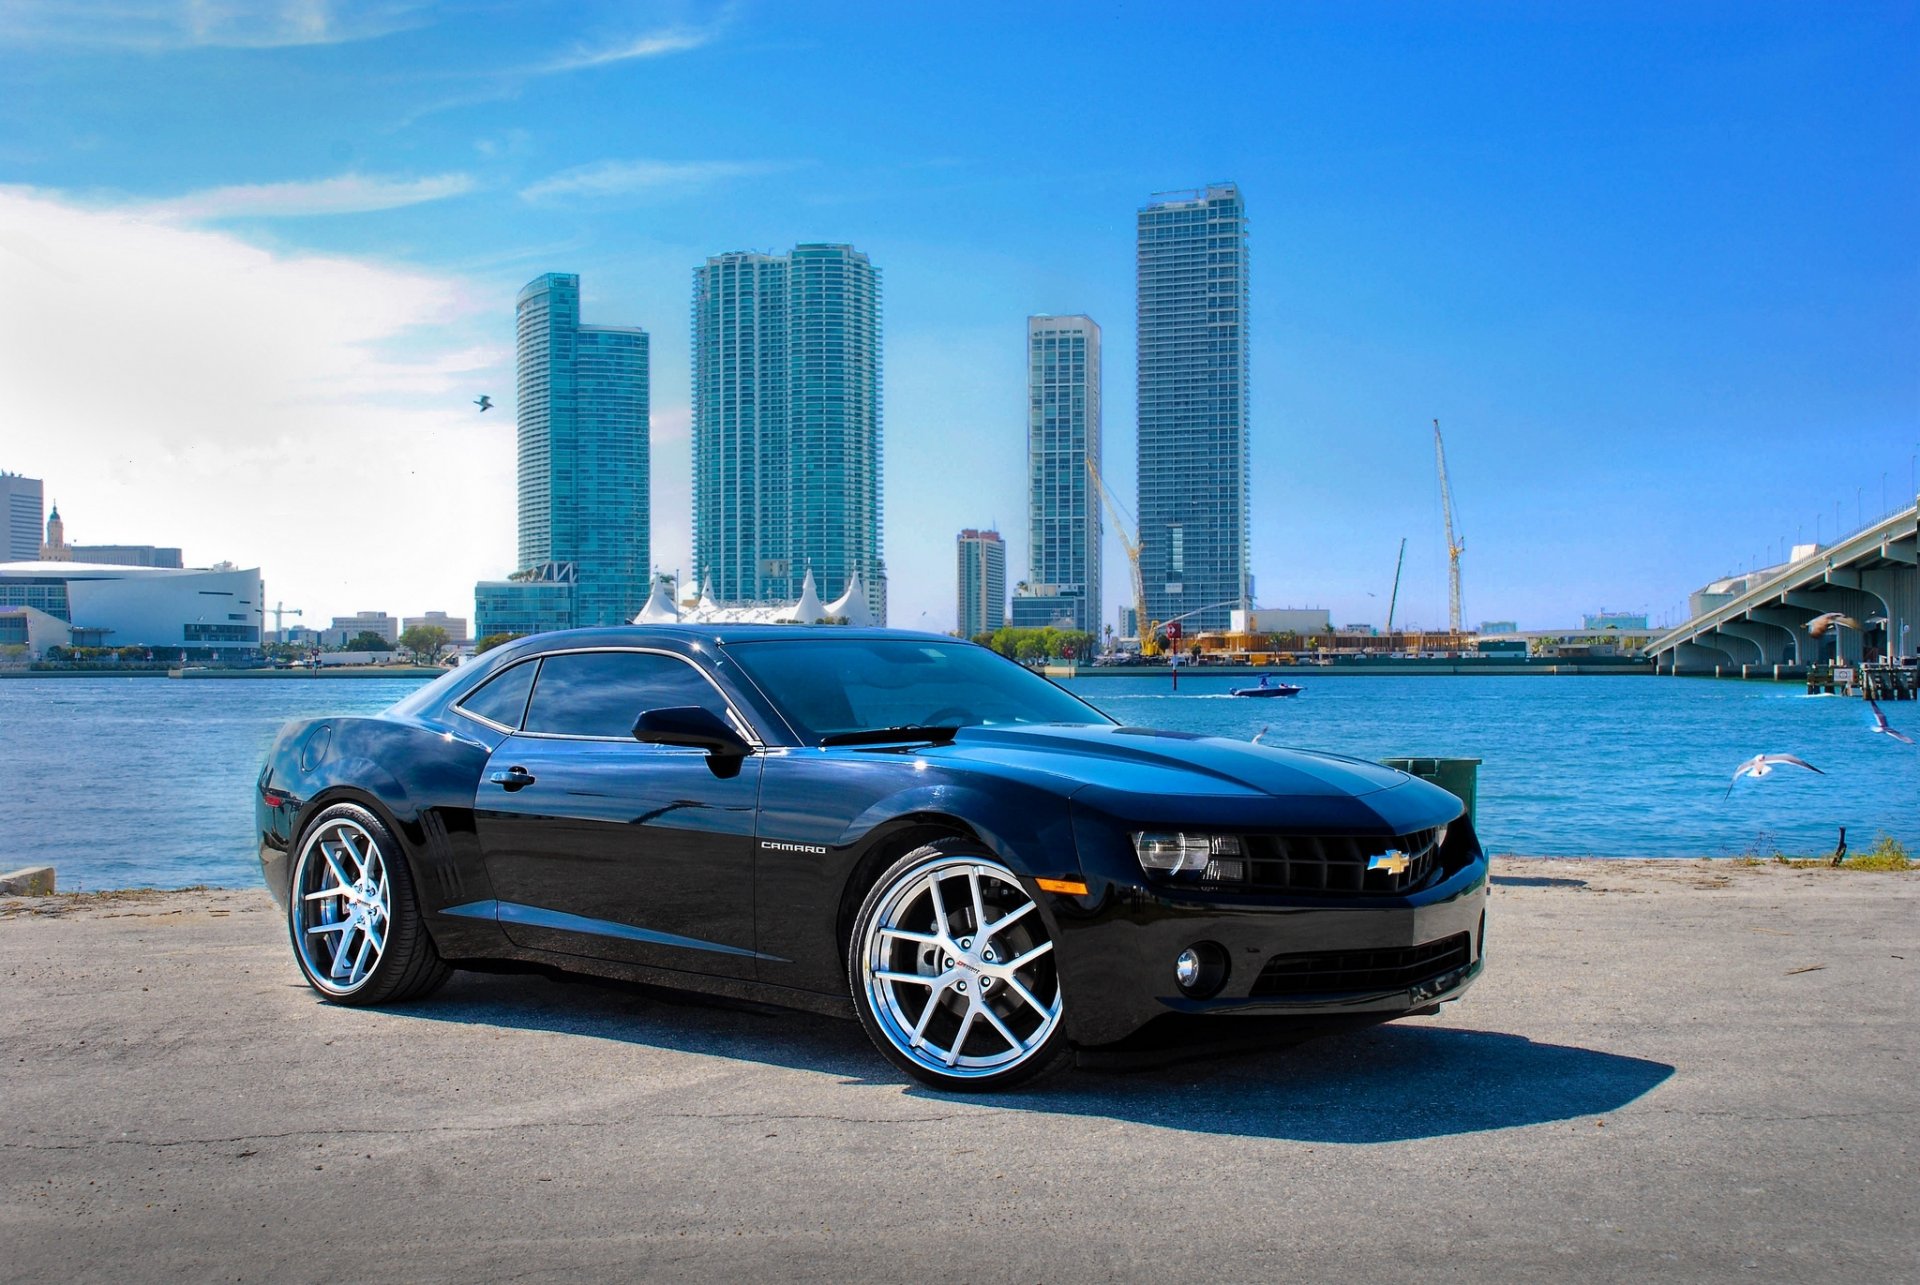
(1171, 853)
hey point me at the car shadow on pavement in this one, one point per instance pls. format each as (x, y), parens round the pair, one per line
(1387, 1083)
(1378, 1084)
(672, 1021)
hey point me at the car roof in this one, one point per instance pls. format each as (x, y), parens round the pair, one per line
(627, 635)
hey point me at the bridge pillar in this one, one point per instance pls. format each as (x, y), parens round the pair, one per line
(1737, 648)
(1771, 640)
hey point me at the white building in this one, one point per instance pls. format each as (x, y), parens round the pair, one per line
(195, 610)
(345, 629)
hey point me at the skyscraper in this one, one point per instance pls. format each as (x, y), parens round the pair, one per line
(981, 579)
(786, 425)
(22, 510)
(1192, 384)
(582, 406)
(1063, 511)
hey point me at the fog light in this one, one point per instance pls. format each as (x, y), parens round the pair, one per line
(1200, 969)
(1186, 969)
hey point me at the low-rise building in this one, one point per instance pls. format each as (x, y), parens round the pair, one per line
(534, 602)
(204, 612)
(456, 626)
(378, 623)
(129, 555)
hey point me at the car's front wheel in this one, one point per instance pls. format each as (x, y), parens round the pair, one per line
(353, 915)
(953, 971)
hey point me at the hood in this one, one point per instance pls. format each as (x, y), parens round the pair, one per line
(1148, 762)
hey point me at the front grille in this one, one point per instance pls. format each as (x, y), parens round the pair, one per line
(1389, 969)
(1295, 863)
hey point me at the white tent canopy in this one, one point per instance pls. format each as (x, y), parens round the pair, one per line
(851, 605)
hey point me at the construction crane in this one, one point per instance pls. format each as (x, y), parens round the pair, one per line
(1149, 643)
(1455, 546)
(1393, 598)
(281, 609)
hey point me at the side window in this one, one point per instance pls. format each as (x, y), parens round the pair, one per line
(502, 699)
(601, 693)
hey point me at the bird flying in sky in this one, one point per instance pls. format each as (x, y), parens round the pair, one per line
(1880, 724)
(484, 402)
(1818, 626)
(1763, 765)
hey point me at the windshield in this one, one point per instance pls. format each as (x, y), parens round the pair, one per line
(832, 686)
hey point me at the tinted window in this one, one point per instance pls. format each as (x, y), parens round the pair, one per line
(829, 685)
(601, 693)
(502, 698)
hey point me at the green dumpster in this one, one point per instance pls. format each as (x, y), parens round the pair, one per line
(1458, 777)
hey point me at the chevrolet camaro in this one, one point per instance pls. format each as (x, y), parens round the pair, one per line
(986, 871)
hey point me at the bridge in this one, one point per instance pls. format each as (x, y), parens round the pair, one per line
(1761, 625)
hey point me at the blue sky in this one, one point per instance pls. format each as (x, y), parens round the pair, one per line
(1653, 267)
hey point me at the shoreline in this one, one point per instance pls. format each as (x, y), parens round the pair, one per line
(1375, 666)
(293, 675)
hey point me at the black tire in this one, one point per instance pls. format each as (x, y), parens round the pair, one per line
(403, 963)
(986, 1021)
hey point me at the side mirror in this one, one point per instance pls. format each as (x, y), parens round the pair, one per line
(691, 726)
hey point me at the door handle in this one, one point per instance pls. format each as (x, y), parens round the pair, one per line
(514, 778)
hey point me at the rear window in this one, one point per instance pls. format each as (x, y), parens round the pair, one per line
(601, 693)
(502, 699)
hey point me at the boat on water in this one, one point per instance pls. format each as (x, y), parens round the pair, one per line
(1269, 689)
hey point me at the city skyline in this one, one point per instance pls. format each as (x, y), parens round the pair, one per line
(1636, 260)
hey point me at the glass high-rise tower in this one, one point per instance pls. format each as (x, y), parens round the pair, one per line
(1192, 386)
(786, 425)
(1063, 509)
(582, 407)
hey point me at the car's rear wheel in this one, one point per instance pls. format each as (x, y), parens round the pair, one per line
(353, 915)
(954, 974)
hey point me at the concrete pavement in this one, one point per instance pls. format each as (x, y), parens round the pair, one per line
(1670, 1069)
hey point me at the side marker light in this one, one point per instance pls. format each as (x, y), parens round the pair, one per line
(1073, 887)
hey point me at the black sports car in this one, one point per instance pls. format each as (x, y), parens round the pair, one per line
(990, 869)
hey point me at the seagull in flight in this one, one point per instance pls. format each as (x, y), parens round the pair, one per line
(1880, 724)
(1762, 765)
(484, 402)
(1818, 626)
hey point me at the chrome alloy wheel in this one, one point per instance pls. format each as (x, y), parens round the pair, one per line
(342, 905)
(959, 970)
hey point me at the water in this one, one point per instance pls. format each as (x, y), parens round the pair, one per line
(137, 782)
(124, 782)
(1604, 765)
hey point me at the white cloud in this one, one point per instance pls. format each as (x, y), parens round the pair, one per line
(305, 414)
(343, 194)
(641, 178)
(186, 24)
(653, 44)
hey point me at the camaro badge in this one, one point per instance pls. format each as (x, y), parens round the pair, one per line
(1393, 861)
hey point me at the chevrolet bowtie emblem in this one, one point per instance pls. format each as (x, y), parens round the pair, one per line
(1394, 862)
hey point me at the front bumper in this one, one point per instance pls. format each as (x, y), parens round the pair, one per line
(1117, 947)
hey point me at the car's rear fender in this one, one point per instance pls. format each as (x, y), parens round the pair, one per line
(421, 784)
